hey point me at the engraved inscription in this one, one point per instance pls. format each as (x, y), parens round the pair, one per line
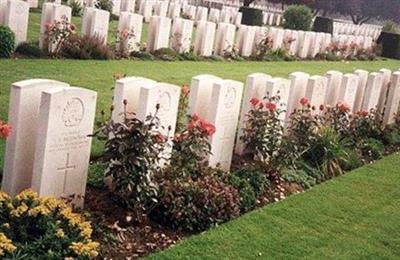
(164, 101)
(230, 98)
(73, 112)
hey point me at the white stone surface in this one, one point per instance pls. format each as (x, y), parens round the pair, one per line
(348, 90)
(316, 90)
(204, 41)
(298, 85)
(23, 115)
(256, 86)
(224, 39)
(16, 17)
(393, 100)
(372, 91)
(334, 83)
(133, 23)
(181, 35)
(128, 89)
(62, 150)
(362, 83)
(159, 31)
(95, 23)
(224, 114)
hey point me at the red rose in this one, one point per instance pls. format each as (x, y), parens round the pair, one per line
(270, 106)
(5, 131)
(343, 107)
(255, 101)
(195, 117)
(304, 101)
(208, 128)
(363, 113)
(160, 138)
(72, 27)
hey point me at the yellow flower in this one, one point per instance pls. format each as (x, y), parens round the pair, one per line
(60, 233)
(88, 249)
(86, 229)
(6, 245)
(20, 210)
(4, 197)
(27, 195)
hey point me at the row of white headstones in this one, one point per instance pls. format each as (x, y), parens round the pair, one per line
(49, 148)
(210, 39)
(354, 29)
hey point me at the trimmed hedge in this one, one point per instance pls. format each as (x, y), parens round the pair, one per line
(7, 42)
(390, 45)
(251, 16)
(298, 17)
(323, 24)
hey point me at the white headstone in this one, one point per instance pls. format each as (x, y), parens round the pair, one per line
(62, 150)
(128, 89)
(161, 8)
(386, 77)
(23, 115)
(297, 91)
(116, 7)
(132, 24)
(256, 86)
(128, 6)
(372, 91)
(279, 87)
(348, 90)
(167, 97)
(201, 88)
(214, 15)
(224, 114)
(392, 104)
(205, 36)
(158, 35)
(362, 82)
(16, 18)
(334, 83)
(246, 36)
(201, 13)
(181, 35)
(50, 13)
(224, 38)
(316, 90)
(174, 10)
(95, 23)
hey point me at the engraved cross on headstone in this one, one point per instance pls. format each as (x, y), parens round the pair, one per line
(65, 170)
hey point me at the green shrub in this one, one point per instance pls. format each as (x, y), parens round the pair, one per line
(256, 178)
(133, 154)
(251, 16)
(353, 161)
(85, 48)
(298, 17)
(191, 56)
(96, 175)
(216, 58)
(7, 42)
(195, 204)
(372, 148)
(246, 192)
(42, 228)
(323, 24)
(76, 7)
(166, 54)
(391, 27)
(29, 49)
(327, 152)
(300, 177)
(142, 55)
(105, 5)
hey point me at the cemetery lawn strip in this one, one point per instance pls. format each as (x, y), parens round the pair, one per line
(98, 75)
(351, 217)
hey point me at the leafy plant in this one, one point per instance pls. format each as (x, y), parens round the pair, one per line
(142, 55)
(263, 133)
(246, 192)
(298, 17)
(300, 177)
(43, 228)
(391, 26)
(183, 107)
(29, 49)
(191, 146)
(255, 178)
(86, 47)
(166, 54)
(7, 42)
(371, 148)
(105, 5)
(133, 153)
(76, 8)
(195, 204)
(327, 152)
(57, 33)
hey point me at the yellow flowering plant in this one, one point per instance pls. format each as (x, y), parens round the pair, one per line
(43, 228)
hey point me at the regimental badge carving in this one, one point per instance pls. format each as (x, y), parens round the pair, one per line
(73, 112)
(230, 97)
(165, 103)
(19, 9)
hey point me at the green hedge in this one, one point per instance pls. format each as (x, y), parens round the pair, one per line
(251, 16)
(323, 24)
(390, 45)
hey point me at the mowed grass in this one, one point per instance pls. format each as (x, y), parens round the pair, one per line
(98, 75)
(356, 216)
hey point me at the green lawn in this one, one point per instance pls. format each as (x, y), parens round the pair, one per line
(98, 75)
(356, 216)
